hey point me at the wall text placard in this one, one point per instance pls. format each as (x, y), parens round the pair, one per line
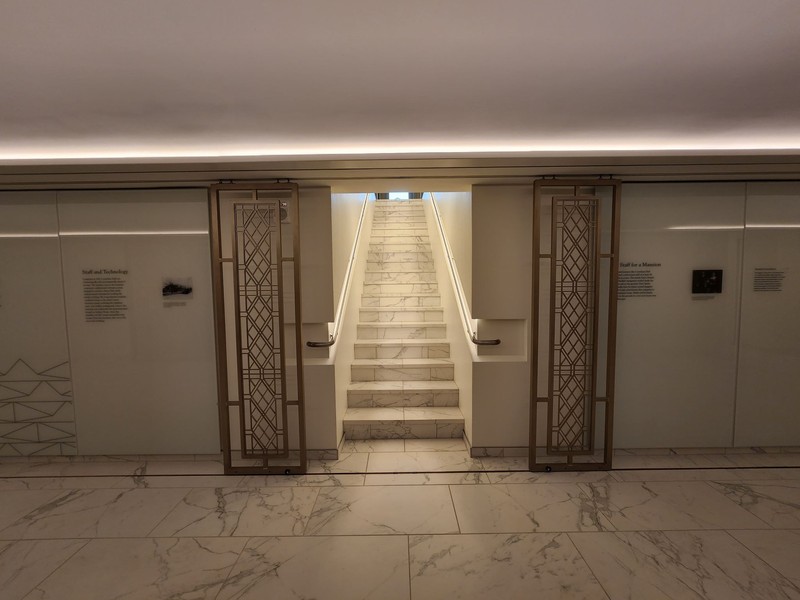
(637, 280)
(105, 295)
(768, 279)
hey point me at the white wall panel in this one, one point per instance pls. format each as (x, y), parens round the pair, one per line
(36, 402)
(676, 353)
(145, 383)
(768, 397)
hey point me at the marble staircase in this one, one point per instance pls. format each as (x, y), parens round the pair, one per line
(402, 377)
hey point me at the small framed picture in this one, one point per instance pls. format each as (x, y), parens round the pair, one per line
(707, 281)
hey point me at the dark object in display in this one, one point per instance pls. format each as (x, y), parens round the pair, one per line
(173, 289)
(707, 281)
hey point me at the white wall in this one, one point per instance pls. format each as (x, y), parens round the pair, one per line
(315, 254)
(501, 294)
(345, 212)
(768, 395)
(455, 209)
(676, 353)
(36, 402)
(147, 383)
(316, 239)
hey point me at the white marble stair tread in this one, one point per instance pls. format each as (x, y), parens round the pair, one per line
(399, 309)
(398, 348)
(396, 325)
(402, 362)
(403, 386)
(409, 342)
(400, 265)
(443, 414)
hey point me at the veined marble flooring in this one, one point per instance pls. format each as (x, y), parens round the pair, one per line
(723, 534)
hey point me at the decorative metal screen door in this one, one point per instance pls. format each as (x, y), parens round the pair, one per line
(256, 255)
(573, 323)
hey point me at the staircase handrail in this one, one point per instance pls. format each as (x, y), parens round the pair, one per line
(460, 295)
(334, 335)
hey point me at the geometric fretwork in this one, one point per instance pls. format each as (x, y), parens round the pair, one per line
(572, 315)
(36, 412)
(258, 285)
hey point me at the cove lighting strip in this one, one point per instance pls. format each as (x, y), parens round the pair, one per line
(27, 235)
(733, 227)
(98, 233)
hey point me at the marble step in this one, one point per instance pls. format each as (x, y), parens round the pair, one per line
(409, 348)
(400, 287)
(402, 369)
(403, 423)
(399, 229)
(393, 202)
(388, 247)
(400, 331)
(399, 239)
(397, 217)
(394, 216)
(397, 276)
(383, 394)
(401, 300)
(399, 256)
(404, 267)
(398, 224)
(401, 314)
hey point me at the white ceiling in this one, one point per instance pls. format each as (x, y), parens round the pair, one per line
(183, 78)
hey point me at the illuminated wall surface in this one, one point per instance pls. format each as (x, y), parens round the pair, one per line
(107, 327)
(138, 374)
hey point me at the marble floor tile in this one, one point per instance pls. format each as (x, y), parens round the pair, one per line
(15, 504)
(409, 462)
(383, 510)
(59, 483)
(179, 481)
(239, 512)
(198, 467)
(632, 506)
(445, 445)
(103, 468)
(540, 565)
(313, 480)
(503, 508)
(678, 565)
(700, 474)
(95, 513)
(554, 477)
(468, 478)
(26, 563)
(775, 503)
(334, 568)
(347, 463)
(143, 569)
(504, 463)
(779, 549)
(349, 446)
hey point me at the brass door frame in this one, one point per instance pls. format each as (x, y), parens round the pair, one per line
(217, 261)
(568, 463)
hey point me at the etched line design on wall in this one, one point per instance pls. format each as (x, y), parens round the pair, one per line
(36, 410)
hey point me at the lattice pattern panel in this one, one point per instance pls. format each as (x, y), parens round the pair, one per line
(36, 412)
(572, 355)
(258, 285)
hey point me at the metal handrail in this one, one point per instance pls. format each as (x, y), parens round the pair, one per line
(333, 336)
(459, 290)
